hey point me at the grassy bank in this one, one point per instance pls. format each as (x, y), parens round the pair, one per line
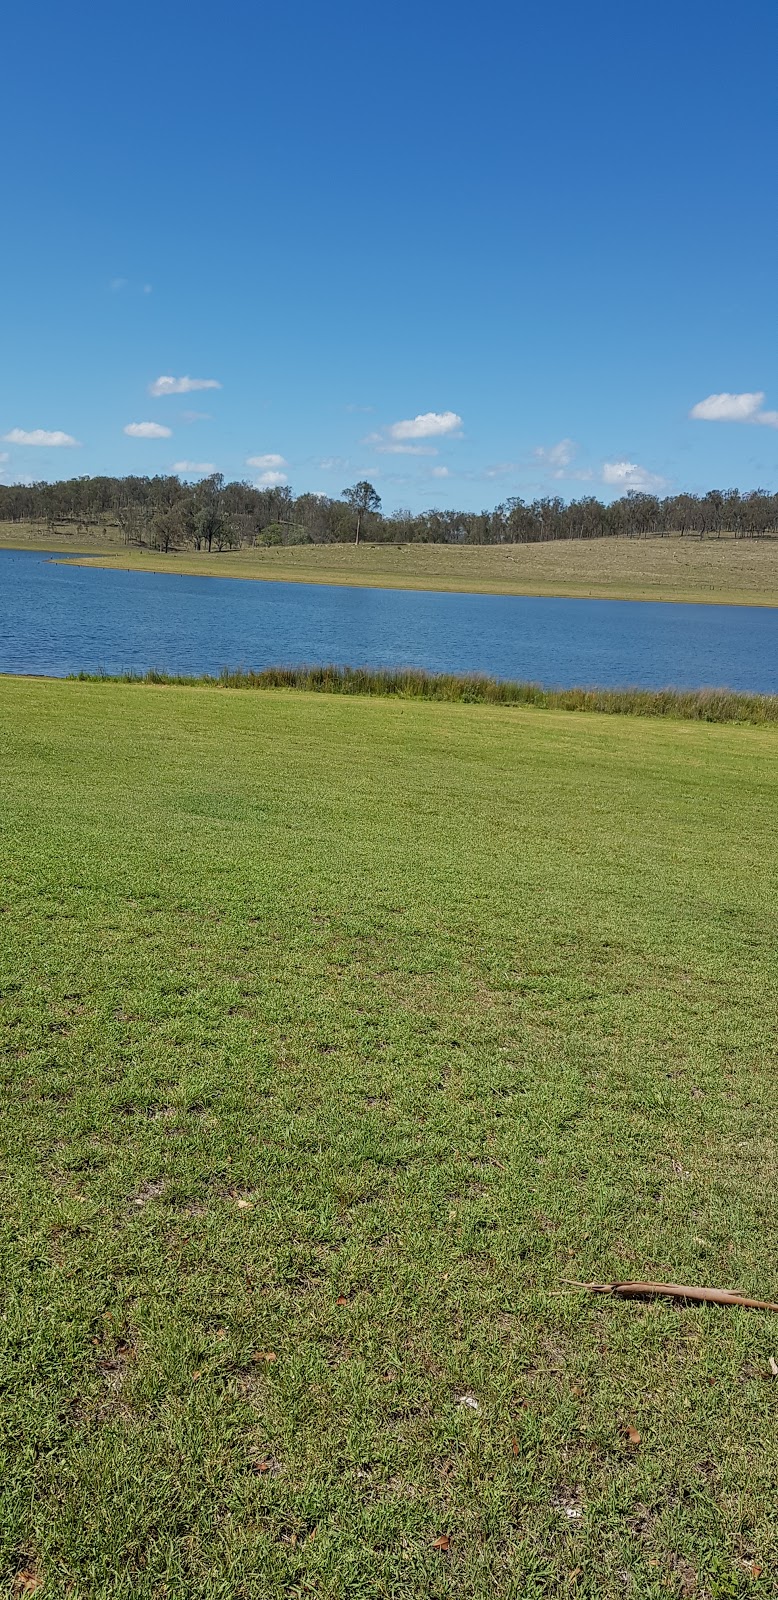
(722, 571)
(337, 1031)
(63, 537)
(725, 572)
(695, 705)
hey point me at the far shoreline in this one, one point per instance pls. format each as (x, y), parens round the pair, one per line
(664, 570)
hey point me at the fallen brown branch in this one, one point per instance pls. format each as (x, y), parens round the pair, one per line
(675, 1291)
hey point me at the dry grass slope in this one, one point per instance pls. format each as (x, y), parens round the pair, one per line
(714, 571)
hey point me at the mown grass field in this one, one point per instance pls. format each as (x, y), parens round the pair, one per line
(722, 571)
(336, 1034)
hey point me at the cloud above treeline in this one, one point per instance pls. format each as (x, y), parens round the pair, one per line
(199, 469)
(556, 456)
(428, 425)
(734, 408)
(269, 462)
(168, 385)
(147, 430)
(629, 475)
(55, 440)
(621, 473)
(401, 438)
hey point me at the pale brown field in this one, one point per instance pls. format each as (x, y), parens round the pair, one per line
(724, 571)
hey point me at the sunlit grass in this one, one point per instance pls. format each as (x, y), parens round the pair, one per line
(714, 571)
(337, 1032)
(409, 683)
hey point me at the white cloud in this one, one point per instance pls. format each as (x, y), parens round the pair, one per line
(117, 284)
(147, 430)
(557, 456)
(330, 463)
(440, 472)
(628, 475)
(39, 436)
(196, 467)
(386, 449)
(271, 480)
(168, 385)
(269, 462)
(734, 408)
(429, 425)
(728, 407)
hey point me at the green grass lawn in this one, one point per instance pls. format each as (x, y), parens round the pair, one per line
(337, 1032)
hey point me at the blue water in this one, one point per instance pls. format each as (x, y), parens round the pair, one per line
(57, 620)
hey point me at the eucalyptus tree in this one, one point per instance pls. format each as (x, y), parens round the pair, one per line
(216, 514)
(363, 499)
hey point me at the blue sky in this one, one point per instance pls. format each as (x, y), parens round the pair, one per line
(465, 252)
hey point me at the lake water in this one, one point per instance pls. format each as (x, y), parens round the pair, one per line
(58, 620)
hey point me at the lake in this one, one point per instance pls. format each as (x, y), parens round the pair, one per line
(58, 620)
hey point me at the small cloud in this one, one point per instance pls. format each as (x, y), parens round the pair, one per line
(4, 456)
(168, 385)
(729, 408)
(500, 469)
(628, 475)
(271, 480)
(428, 425)
(386, 449)
(332, 463)
(196, 416)
(270, 462)
(117, 284)
(556, 456)
(147, 430)
(40, 436)
(194, 468)
(440, 472)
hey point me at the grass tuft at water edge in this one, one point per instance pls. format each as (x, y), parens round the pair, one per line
(412, 683)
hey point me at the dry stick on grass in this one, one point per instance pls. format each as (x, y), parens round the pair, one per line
(675, 1291)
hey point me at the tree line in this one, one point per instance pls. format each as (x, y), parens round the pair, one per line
(165, 513)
